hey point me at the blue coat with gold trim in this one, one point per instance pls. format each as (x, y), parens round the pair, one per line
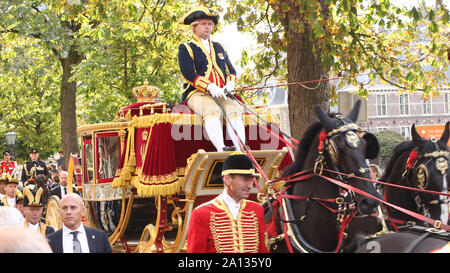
(197, 65)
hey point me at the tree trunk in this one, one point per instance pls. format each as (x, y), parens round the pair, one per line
(304, 64)
(68, 106)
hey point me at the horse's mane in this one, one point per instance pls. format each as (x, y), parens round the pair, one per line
(302, 151)
(398, 150)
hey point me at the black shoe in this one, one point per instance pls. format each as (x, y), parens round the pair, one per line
(229, 148)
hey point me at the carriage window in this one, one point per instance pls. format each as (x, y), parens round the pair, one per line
(381, 105)
(108, 151)
(88, 162)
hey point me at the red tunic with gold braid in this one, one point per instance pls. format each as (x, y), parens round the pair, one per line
(7, 167)
(212, 228)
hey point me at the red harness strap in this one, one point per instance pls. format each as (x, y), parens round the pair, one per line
(434, 223)
(276, 135)
(393, 185)
(346, 221)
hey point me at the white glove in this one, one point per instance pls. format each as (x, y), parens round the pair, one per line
(230, 86)
(216, 91)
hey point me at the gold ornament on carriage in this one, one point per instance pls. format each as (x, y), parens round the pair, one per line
(146, 93)
(422, 176)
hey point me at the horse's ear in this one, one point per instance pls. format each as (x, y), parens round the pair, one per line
(325, 120)
(445, 134)
(416, 138)
(353, 115)
(373, 146)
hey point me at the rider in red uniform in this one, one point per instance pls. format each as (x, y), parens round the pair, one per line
(7, 166)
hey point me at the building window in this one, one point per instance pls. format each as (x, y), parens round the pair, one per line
(426, 106)
(381, 129)
(406, 133)
(404, 104)
(381, 105)
(447, 103)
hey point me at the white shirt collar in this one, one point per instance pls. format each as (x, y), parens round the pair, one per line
(11, 201)
(34, 227)
(206, 44)
(67, 231)
(232, 205)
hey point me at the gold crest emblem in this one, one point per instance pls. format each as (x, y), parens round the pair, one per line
(441, 165)
(352, 139)
(422, 177)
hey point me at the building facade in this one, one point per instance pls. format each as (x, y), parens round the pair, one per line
(388, 109)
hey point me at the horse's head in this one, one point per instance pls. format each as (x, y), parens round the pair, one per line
(430, 172)
(348, 148)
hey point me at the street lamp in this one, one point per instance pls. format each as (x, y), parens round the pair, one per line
(11, 141)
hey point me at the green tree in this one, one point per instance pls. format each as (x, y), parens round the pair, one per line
(30, 107)
(312, 40)
(388, 140)
(101, 48)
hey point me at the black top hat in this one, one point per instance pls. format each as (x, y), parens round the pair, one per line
(239, 163)
(198, 13)
(34, 150)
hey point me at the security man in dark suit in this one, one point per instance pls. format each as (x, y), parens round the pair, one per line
(74, 237)
(61, 189)
(40, 167)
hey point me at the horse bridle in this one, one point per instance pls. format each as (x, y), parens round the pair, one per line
(440, 159)
(331, 157)
(351, 138)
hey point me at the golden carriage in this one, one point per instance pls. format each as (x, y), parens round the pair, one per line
(143, 173)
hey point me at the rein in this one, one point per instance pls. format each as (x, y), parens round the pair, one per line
(346, 219)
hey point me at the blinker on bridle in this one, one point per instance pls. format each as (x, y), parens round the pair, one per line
(423, 177)
(351, 138)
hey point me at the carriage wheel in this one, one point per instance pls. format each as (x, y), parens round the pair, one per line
(53, 218)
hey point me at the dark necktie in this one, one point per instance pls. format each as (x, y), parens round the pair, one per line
(65, 191)
(76, 243)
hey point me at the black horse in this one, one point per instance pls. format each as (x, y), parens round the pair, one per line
(422, 164)
(313, 224)
(409, 239)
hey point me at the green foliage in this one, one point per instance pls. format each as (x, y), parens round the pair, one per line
(405, 47)
(28, 84)
(122, 43)
(388, 140)
(134, 42)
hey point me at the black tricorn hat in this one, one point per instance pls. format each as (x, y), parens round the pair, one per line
(239, 163)
(9, 179)
(33, 196)
(198, 13)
